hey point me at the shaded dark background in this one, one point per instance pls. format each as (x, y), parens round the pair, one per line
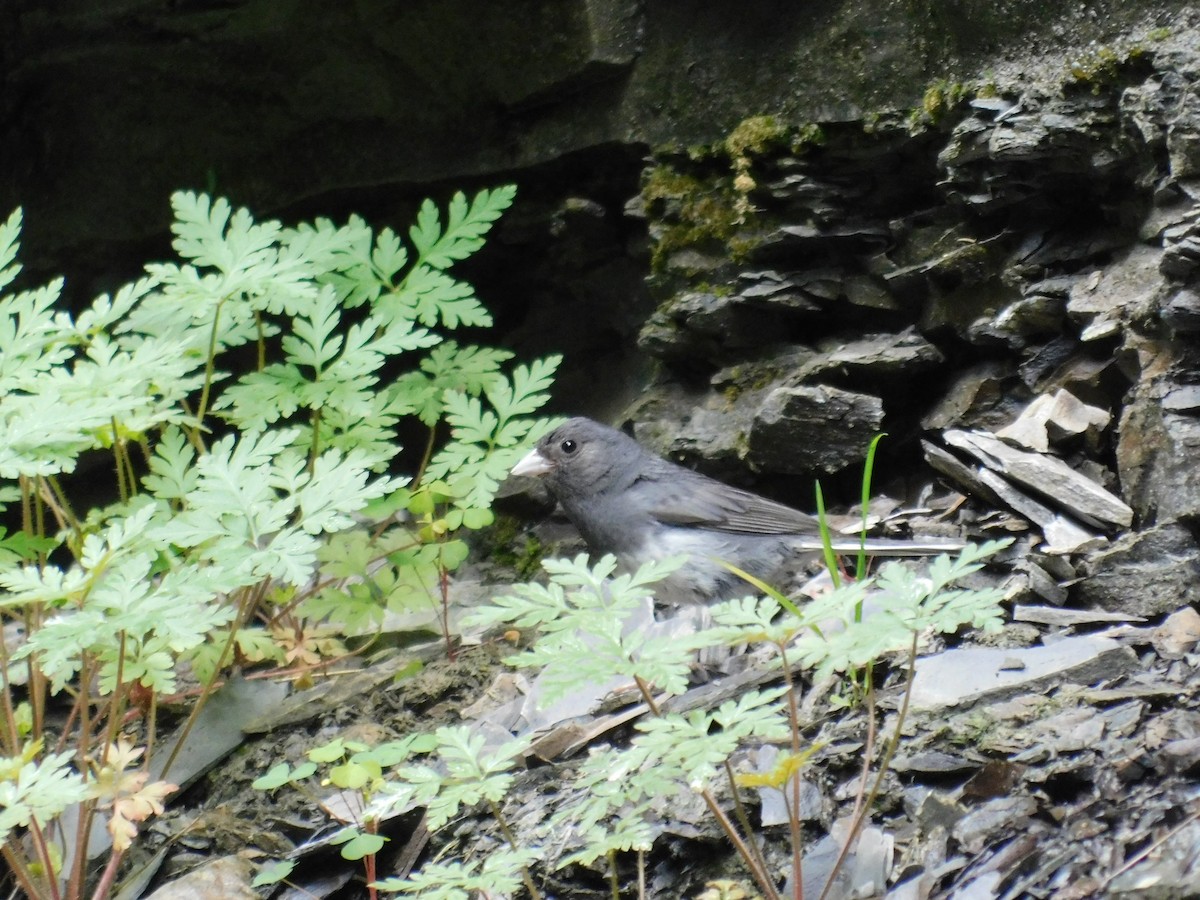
(298, 108)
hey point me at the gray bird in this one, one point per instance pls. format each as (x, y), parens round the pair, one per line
(626, 501)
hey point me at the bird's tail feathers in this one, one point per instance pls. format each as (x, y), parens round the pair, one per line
(888, 546)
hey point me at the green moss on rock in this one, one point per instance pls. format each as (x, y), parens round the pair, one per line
(807, 138)
(692, 212)
(514, 548)
(755, 136)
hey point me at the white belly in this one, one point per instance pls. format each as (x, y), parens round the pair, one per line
(703, 578)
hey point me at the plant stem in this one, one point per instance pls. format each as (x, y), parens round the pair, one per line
(425, 458)
(130, 474)
(27, 506)
(614, 882)
(19, 870)
(644, 688)
(261, 339)
(122, 487)
(12, 740)
(144, 446)
(370, 827)
(444, 614)
(526, 876)
(739, 810)
(868, 751)
(795, 834)
(38, 836)
(83, 824)
(760, 874)
(152, 724)
(56, 499)
(109, 876)
(193, 432)
(889, 751)
(315, 451)
(115, 708)
(209, 365)
(32, 522)
(248, 601)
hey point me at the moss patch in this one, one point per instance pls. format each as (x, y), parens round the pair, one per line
(755, 136)
(807, 138)
(707, 210)
(940, 99)
(693, 212)
(509, 545)
(1106, 67)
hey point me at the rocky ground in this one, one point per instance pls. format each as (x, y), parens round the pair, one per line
(1004, 279)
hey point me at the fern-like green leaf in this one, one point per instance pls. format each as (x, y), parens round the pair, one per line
(389, 255)
(429, 295)
(10, 234)
(466, 224)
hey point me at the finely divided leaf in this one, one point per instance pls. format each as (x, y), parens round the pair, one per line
(466, 224)
(10, 233)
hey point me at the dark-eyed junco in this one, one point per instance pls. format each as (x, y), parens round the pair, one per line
(626, 501)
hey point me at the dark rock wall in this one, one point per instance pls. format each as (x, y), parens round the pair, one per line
(1007, 239)
(108, 105)
(852, 216)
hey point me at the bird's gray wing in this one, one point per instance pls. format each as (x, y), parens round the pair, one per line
(678, 496)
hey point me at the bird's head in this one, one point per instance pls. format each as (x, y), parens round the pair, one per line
(582, 458)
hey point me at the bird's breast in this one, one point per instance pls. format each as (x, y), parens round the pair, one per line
(705, 578)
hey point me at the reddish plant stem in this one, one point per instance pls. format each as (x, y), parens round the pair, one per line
(743, 818)
(104, 885)
(18, 868)
(889, 751)
(760, 875)
(797, 838)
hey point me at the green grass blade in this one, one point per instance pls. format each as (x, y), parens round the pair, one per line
(868, 471)
(831, 561)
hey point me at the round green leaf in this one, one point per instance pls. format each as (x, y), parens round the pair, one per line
(350, 776)
(273, 873)
(363, 845)
(278, 776)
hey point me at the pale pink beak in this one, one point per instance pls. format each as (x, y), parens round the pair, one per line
(532, 463)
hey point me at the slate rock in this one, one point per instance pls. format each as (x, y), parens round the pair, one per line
(1062, 364)
(944, 258)
(1181, 247)
(1169, 873)
(1178, 635)
(809, 241)
(874, 357)
(1182, 398)
(698, 326)
(813, 428)
(1047, 475)
(1149, 573)
(980, 396)
(1003, 815)
(1021, 322)
(1158, 440)
(1182, 311)
(701, 429)
(1126, 291)
(974, 674)
(795, 292)
(224, 878)
(1053, 417)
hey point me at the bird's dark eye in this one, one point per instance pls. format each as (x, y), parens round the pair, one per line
(569, 446)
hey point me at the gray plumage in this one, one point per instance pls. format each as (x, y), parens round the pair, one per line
(626, 501)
